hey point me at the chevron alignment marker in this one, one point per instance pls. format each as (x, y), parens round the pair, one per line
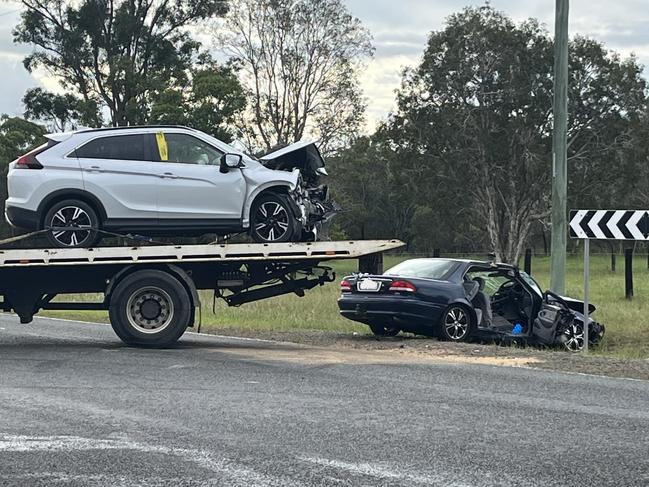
(609, 224)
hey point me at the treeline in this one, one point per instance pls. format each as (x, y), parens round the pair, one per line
(463, 164)
(465, 161)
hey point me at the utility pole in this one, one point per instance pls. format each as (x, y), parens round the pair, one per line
(560, 149)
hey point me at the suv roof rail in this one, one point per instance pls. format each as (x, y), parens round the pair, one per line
(127, 127)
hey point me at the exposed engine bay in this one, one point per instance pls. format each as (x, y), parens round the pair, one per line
(312, 194)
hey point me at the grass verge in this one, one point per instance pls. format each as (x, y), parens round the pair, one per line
(627, 326)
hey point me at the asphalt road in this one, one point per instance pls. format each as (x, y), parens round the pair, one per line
(78, 408)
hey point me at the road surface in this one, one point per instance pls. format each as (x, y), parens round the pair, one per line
(78, 408)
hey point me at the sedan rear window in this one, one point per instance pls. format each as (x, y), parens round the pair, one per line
(425, 268)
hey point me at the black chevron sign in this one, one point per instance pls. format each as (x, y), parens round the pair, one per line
(610, 224)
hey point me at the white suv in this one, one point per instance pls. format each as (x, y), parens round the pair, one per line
(164, 180)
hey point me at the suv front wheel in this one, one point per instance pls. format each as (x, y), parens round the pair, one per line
(272, 219)
(71, 224)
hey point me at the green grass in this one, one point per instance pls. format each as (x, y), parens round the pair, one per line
(627, 325)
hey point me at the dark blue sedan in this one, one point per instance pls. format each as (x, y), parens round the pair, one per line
(459, 299)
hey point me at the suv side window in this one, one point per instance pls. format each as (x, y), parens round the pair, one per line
(185, 149)
(122, 147)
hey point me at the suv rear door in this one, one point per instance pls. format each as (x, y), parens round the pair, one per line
(117, 169)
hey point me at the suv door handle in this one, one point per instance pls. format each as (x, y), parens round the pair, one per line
(94, 169)
(168, 175)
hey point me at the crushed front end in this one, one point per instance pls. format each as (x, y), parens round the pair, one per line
(311, 195)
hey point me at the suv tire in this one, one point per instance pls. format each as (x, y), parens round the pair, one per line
(70, 214)
(272, 219)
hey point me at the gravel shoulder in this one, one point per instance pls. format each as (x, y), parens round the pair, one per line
(415, 348)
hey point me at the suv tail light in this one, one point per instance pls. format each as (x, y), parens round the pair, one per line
(345, 286)
(402, 286)
(29, 161)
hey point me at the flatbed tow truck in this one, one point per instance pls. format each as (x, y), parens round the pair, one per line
(151, 292)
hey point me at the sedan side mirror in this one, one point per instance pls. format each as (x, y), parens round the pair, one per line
(231, 161)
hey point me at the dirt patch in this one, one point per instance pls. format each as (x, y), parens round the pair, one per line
(318, 356)
(329, 347)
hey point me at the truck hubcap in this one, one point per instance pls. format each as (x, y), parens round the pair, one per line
(150, 310)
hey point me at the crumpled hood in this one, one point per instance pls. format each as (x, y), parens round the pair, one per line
(577, 305)
(303, 155)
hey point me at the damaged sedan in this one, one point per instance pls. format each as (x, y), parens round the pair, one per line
(166, 181)
(459, 300)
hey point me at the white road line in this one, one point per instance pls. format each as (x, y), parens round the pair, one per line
(207, 335)
(383, 472)
(237, 474)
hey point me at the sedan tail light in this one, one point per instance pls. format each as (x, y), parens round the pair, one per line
(345, 286)
(402, 286)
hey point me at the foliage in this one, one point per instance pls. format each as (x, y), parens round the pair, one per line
(470, 142)
(300, 60)
(210, 101)
(114, 53)
(60, 112)
(17, 136)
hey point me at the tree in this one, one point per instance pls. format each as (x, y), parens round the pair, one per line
(210, 101)
(60, 112)
(300, 60)
(474, 122)
(17, 136)
(114, 53)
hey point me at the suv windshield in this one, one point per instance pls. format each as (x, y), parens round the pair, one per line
(425, 268)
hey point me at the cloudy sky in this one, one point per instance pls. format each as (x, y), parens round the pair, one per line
(400, 29)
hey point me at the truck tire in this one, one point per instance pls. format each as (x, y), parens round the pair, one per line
(150, 308)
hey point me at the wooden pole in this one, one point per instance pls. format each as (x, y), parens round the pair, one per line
(560, 151)
(528, 261)
(628, 273)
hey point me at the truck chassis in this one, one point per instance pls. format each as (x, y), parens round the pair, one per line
(151, 292)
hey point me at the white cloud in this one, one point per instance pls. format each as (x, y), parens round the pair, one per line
(400, 30)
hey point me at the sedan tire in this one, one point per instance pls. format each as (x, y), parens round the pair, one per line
(383, 330)
(456, 324)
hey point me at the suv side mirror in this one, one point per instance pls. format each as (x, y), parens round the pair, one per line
(231, 161)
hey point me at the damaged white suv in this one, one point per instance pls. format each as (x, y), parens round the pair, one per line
(165, 181)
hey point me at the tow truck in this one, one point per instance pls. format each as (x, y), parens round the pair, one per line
(151, 291)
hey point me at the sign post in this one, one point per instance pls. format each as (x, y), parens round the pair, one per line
(586, 282)
(605, 225)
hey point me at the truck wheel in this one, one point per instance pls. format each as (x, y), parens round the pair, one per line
(150, 308)
(272, 219)
(73, 224)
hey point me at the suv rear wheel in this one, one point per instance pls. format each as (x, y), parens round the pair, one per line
(72, 224)
(272, 219)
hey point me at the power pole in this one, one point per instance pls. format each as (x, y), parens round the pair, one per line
(560, 149)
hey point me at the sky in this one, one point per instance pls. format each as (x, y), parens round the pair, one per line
(400, 30)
